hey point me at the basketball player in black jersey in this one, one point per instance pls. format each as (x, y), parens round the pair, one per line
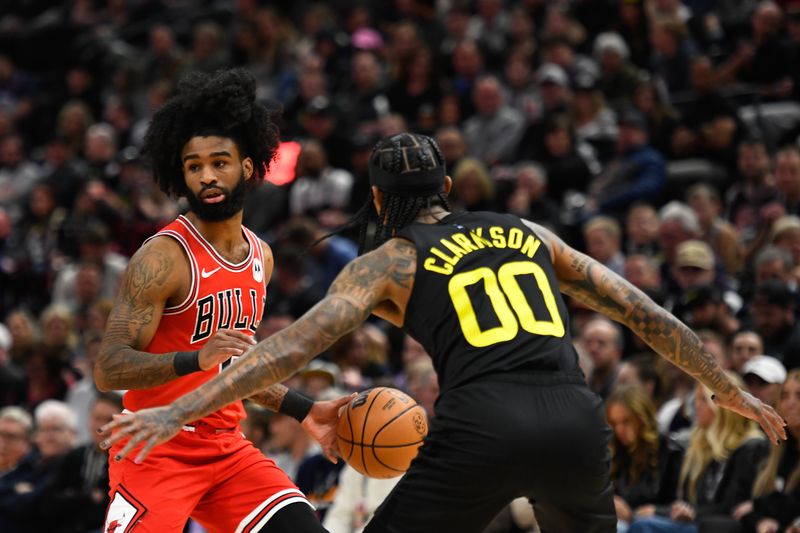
(480, 291)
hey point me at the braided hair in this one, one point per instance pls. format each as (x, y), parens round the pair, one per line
(397, 156)
(220, 104)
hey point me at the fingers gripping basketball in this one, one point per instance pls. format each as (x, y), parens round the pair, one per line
(380, 432)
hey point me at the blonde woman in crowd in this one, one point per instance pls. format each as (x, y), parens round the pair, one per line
(724, 451)
(644, 464)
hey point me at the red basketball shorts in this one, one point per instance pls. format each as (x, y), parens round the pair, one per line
(221, 480)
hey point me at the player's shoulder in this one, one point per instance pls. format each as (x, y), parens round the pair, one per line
(160, 256)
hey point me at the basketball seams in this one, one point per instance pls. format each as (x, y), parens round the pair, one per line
(364, 430)
(389, 422)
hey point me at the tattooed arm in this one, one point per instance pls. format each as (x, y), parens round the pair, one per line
(152, 276)
(384, 276)
(588, 281)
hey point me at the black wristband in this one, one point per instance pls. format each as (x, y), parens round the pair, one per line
(296, 405)
(186, 362)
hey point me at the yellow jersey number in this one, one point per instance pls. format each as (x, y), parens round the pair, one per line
(503, 289)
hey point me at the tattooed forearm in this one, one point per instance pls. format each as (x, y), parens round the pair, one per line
(361, 286)
(271, 398)
(601, 289)
(134, 317)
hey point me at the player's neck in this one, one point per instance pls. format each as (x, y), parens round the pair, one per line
(225, 235)
(432, 215)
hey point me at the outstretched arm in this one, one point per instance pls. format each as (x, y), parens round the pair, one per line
(584, 279)
(363, 284)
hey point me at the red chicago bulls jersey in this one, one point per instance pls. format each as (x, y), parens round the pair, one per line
(223, 295)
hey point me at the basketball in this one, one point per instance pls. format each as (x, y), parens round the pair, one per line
(380, 431)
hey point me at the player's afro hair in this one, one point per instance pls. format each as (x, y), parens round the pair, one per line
(223, 104)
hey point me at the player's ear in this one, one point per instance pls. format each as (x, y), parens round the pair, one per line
(377, 198)
(448, 184)
(248, 168)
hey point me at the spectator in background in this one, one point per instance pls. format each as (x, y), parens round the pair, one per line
(416, 92)
(775, 501)
(594, 122)
(530, 200)
(604, 342)
(618, 77)
(330, 254)
(753, 190)
(493, 132)
(785, 235)
(423, 385)
(555, 95)
(453, 145)
(294, 289)
(644, 464)
(715, 231)
(365, 101)
(643, 272)
(163, 59)
(76, 497)
(289, 444)
(776, 264)
(321, 378)
(662, 119)
(638, 172)
(787, 178)
(722, 457)
(473, 189)
(16, 430)
(774, 320)
(82, 394)
(764, 377)
(207, 53)
(640, 370)
(603, 238)
(322, 121)
(18, 175)
(318, 186)
(672, 51)
(745, 344)
(22, 488)
(641, 230)
(12, 378)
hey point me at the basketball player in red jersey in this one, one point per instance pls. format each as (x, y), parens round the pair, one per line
(191, 300)
(480, 291)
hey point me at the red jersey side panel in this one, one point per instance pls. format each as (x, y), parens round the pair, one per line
(222, 296)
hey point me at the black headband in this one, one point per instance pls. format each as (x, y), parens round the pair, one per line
(414, 183)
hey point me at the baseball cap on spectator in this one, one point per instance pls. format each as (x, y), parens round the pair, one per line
(552, 73)
(701, 295)
(773, 292)
(785, 223)
(610, 41)
(326, 369)
(765, 367)
(367, 39)
(584, 82)
(694, 253)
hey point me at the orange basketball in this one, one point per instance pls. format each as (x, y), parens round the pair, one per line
(380, 431)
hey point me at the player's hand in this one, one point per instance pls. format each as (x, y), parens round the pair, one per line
(321, 423)
(222, 346)
(750, 407)
(148, 426)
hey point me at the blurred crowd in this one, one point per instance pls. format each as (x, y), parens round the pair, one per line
(658, 136)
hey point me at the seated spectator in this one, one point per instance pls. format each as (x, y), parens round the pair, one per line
(764, 377)
(640, 370)
(775, 264)
(295, 287)
(24, 334)
(289, 444)
(331, 254)
(787, 178)
(641, 230)
(453, 145)
(644, 464)
(618, 76)
(530, 200)
(722, 456)
(594, 122)
(604, 341)
(662, 119)
(643, 272)
(76, 497)
(745, 344)
(493, 132)
(16, 432)
(22, 488)
(318, 185)
(603, 238)
(786, 236)
(320, 378)
(672, 51)
(363, 357)
(774, 319)
(704, 307)
(12, 378)
(473, 189)
(718, 233)
(638, 172)
(775, 502)
(423, 385)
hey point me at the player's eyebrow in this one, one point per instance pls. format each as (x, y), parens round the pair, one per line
(222, 153)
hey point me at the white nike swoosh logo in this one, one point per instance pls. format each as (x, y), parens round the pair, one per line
(208, 274)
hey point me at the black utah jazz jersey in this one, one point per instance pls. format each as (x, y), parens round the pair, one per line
(485, 299)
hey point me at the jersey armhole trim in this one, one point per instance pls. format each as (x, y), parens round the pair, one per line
(193, 269)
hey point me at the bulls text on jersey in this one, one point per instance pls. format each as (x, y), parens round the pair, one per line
(224, 310)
